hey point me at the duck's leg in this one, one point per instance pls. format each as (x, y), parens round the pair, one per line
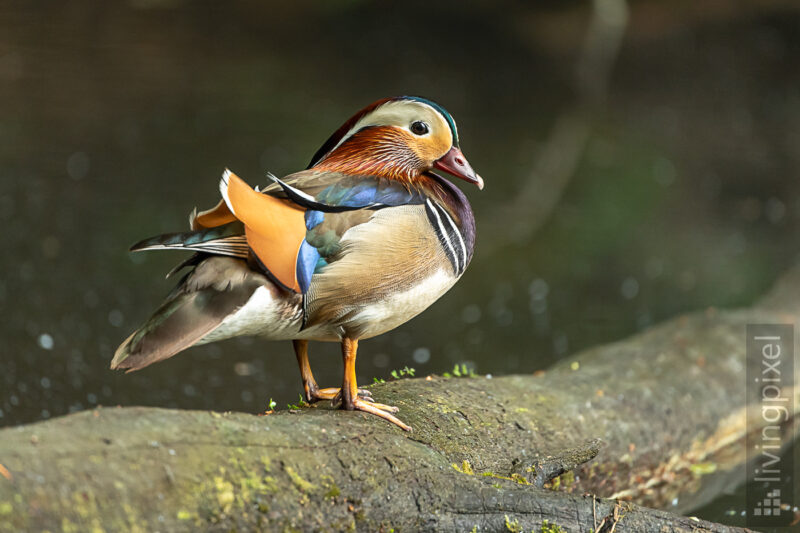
(350, 392)
(312, 391)
(310, 387)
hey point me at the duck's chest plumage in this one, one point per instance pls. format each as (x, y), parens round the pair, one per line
(388, 270)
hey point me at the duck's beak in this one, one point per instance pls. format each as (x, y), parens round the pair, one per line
(454, 163)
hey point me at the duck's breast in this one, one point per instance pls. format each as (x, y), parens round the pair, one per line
(389, 270)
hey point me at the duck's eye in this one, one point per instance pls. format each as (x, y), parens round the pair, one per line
(419, 128)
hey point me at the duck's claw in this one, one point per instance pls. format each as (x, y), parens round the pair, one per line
(381, 410)
(384, 407)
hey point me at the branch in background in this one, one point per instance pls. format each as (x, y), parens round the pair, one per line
(555, 165)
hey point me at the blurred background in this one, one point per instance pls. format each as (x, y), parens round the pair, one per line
(641, 160)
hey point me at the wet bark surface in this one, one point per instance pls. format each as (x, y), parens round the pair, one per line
(641, 420)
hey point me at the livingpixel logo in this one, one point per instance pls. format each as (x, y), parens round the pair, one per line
(770, 459)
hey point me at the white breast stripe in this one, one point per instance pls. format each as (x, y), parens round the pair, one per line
(445, 234)
(460, 238)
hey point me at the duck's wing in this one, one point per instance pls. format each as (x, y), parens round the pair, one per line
(279, 229)
(283, 222)
(212, 291)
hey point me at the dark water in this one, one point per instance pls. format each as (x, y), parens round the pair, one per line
(116, 120)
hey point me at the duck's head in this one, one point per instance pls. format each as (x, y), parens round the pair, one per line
(398, 138)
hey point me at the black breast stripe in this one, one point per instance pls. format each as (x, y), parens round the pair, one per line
(449, 236)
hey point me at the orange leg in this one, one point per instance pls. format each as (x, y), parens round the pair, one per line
(349, 393)
(312, 391)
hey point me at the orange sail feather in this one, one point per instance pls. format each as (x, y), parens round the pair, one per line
(275, 228)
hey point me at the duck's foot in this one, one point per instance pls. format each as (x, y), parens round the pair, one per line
(334, 394)
(363, 394)
(378, 409)
(350, 395)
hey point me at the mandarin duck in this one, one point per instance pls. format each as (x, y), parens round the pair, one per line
(363, 240)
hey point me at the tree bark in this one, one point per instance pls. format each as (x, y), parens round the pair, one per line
(658, 410)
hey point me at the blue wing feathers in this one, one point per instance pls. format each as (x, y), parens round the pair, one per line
(314, 219)
(321, 263)
(360, 198)
(307, 259)
(367, 193)
(351, 194)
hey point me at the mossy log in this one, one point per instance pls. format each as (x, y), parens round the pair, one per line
(657, 410)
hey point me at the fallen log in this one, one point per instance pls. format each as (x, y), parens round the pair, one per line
(507, 453)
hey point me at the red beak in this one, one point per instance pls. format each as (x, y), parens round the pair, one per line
(454, 163)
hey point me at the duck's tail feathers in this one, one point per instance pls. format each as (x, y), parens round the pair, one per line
(176, 325)
(214, 290)
(228, 239)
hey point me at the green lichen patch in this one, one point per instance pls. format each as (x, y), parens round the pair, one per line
(512, 525)
(516, 478)
(224, 493)
(298, 481)
(332, 491)
(239, 491)
(702, 469)
(563, 482)
(465, 468)
(547, 527)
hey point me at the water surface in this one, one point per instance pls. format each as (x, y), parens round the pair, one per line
(116, 120)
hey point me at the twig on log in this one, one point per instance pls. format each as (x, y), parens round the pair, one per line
(542, 471)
